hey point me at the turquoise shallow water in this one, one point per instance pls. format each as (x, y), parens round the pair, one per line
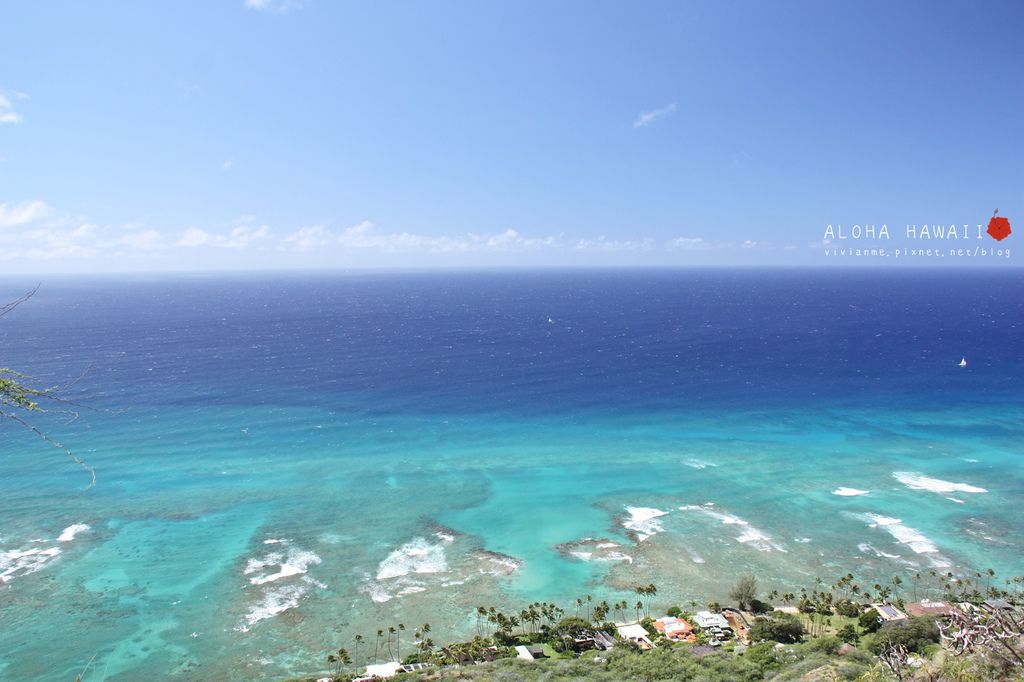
(254, 510)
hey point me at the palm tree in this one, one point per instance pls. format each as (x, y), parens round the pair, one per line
(343, 659)
(652, 591)
(391, 632)
(579, 603)
(333, 661)
(896, 582)
(358, 640)
(481, 612)
(589, 599)
(639, 607)
(376, 645)
(401, 629)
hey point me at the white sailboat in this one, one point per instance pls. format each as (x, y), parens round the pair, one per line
(962, 363)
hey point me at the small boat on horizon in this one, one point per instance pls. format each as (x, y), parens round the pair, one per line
(963, 362)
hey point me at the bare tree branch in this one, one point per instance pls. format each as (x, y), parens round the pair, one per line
(8, 307)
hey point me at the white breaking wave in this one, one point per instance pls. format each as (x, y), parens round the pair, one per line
(280, 579)
(69, 533)
(606, 556)
(275, 601)
(918, 481)
(644, 521)
(416, 556)
(849, 492)
(695, 463)
(749, 535)
(910, 537)
(295, 562)
(16, 563)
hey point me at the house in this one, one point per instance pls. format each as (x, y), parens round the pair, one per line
(927, 607)
(635, 632)
(708, 621)
(887, 613)
(675, 629)
(414, 667)
(714, 624)
(380, 671)
(529, 653)
(603, 640)
(583, 642)
(997, 605)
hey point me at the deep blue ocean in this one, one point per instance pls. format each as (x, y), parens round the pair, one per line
(284, 461)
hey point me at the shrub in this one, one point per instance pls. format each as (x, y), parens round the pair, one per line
(778, 627)
(826, 645)
(848, 633)
(674, 611)
(761, 655)
(869, 621)
(915, 634)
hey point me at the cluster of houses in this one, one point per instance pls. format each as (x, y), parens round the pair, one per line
(716, 628)
(888, 613)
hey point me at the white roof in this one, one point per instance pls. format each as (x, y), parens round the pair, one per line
(706, 619)
(383, 669)
(633, 631)
(524, 653)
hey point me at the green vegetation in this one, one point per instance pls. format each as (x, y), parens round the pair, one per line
(777, 627)
(625, 663)
(745, 591)
(834, 635)
(916, 634)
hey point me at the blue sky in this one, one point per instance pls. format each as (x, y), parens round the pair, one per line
(314, 133)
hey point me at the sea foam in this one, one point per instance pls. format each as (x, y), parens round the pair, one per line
(416, 556)
(909, 537)
(849, 492)
(749, 535)
(280, 580)
(295, 562)
(69, 533)
(16, 563)
(918, 481)
(644, 521)
(275, 601)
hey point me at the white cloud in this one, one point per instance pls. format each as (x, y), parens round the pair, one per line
(749, 244)
(227, 164)
(193, 236)
(278, 6)
(366, 236)
(238, 238)
(241, 236)
(604, 244)
(689, 243)
(648, 117)
(22, 213)
(7, 112)
(147, 240)
(698, 244)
